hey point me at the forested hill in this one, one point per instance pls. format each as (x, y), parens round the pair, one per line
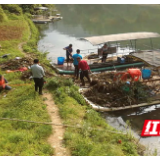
(13, 11)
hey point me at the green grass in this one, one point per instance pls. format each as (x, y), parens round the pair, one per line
(8, 39)
(23, 138)
(90, 134)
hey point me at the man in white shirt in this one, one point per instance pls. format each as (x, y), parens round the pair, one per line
(38, 74)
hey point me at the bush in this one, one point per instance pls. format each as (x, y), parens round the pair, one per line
(3, 16)
(76, 95)
(12, 8)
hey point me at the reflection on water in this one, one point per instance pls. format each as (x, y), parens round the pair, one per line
(54, 42)
(136, 117)
(92, 20)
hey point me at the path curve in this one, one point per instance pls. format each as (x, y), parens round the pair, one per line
(56, 138)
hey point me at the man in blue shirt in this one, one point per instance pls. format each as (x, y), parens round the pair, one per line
(75, 62)
(69, 51)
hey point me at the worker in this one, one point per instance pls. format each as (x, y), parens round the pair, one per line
(3, 84)
(38, 74)
(104, 52)
(85, 70)
(69, 51)
(75, 62)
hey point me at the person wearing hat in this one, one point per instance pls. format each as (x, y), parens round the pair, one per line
(69, 51)
(85, 69)
(75, 62)
(104, 52)
(3, 84)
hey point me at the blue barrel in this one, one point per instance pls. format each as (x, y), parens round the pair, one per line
(60, 60)
(120, 60)
(146, 73)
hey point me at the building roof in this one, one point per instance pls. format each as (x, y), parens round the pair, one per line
(95, 40)
(150, 57)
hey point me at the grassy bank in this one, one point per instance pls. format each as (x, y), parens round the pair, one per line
(89, 135)
(22, 103)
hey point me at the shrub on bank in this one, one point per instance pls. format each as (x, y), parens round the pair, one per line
(3, 17)
(12, 8)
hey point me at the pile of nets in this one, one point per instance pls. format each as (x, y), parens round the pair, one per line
(104, 91)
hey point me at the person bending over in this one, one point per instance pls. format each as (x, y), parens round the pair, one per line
(85, 69)
(69, 51)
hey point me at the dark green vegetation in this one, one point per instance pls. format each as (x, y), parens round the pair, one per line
(103, 19)
(91, 136)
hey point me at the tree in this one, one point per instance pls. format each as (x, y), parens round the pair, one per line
(12, 8)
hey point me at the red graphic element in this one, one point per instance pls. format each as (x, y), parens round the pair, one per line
(119, 141)
(151, 128)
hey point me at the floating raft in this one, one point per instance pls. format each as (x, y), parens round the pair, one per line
(63, 69)
(43, 20)
(106, 109)
(150, 57)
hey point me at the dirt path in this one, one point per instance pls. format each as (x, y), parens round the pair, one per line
(56, 139)
(20, 47)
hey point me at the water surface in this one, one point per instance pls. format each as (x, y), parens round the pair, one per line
(92, 20)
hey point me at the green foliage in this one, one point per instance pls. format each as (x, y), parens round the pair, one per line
(12, 8)
(53, 84)
(3, 16)
(59, 92)
(16, 137)
(31, 45)
(76, 95)
(23, 138)
(12, 16)
(129, 149)
(93, 138)
(28, 15)
(30, 7)
(65, 87)
(57, 82)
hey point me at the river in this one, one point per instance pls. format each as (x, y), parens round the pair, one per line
(90, 20)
